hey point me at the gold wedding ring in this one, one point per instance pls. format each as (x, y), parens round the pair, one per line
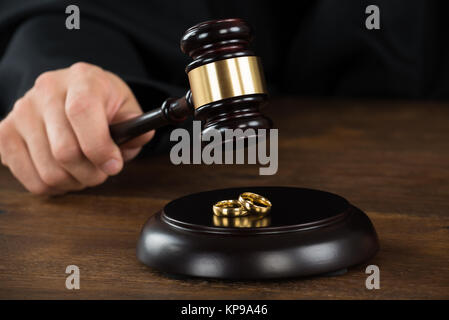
(247, 212)
(229, 208)
(255, 203)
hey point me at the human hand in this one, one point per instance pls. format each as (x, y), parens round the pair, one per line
(56, 139)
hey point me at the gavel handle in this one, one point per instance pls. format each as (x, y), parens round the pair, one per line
(172, 111)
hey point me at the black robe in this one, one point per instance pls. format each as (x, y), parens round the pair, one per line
(308, 48)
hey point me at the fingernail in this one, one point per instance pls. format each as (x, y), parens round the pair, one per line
(111, 167)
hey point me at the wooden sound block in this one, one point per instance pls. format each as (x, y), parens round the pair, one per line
(307, 232)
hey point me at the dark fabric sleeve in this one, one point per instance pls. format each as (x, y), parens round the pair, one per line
(309, 48)
(41, 43)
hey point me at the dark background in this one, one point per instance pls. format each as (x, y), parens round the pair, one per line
(309, 48)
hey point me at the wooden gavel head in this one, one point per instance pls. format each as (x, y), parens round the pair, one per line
(226, 78)
(227, 86)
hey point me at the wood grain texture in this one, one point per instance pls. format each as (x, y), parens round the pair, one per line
(391, 159)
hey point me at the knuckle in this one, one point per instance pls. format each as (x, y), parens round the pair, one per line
(66, 153)
(23, 111)
(78, 105)
(86, 70)
(102, 82)
(81, 67)
(21, 104)
(96, 78)
(45, 80)
(54, 177)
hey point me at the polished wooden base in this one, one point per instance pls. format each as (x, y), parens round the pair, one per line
(307, 232)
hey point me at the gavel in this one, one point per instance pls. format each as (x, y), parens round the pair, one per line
(227, 86)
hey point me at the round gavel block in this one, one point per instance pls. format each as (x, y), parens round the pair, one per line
(307, 232)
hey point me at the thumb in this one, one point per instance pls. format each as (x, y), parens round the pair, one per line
(131, 148)
(137, 142)
(129, 108)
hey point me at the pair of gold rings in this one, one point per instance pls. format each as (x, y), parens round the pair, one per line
(247, 203)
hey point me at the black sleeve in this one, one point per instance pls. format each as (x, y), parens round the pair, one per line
(40, 42)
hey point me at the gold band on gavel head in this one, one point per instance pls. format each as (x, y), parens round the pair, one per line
(227, 78)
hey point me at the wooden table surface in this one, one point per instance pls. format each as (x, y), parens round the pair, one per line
(391, 159)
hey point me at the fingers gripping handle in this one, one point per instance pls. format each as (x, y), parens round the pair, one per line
(172, 111)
